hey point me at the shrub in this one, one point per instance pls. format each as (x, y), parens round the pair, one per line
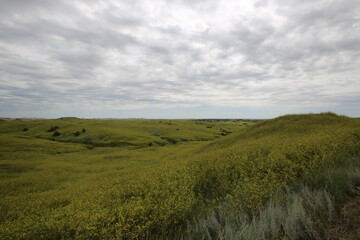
(56, 133)
(52, 129)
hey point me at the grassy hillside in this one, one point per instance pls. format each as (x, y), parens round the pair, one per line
(41, 173)
(151, 178)
(117, 133)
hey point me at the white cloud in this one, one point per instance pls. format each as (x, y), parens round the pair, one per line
(173, 54)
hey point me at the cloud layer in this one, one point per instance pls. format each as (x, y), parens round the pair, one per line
(128, 58)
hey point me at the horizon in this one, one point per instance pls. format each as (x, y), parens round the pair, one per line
(142, 118)
(153, 114)
(179, 59)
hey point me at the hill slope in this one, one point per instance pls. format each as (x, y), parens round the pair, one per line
(243, 170)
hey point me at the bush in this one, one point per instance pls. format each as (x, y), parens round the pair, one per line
(52, 129)
(56, 133)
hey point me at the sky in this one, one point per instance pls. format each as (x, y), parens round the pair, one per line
(179, 58)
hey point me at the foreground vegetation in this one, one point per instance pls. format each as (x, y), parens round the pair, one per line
(307, 210)
(108, 179)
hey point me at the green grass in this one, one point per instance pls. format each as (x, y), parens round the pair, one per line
(41, 174)
(305, 210)
(124, 179)
(114, 133)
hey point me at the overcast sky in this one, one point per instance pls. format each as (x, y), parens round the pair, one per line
(179, 59)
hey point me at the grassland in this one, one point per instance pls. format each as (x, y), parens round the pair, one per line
(127, 179)
(41, 173)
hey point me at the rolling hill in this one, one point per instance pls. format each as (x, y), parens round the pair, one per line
(185, 179)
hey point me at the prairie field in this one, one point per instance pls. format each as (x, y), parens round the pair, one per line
(71, 178)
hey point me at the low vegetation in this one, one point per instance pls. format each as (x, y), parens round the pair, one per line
(156, 179)
(307, 210)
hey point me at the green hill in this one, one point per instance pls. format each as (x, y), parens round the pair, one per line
(115, 133)
(152, 178)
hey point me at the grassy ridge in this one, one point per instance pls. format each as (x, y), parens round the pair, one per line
(117, 133)
(42, 175)
(243, 169)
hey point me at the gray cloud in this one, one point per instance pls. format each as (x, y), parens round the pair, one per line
(135, 54)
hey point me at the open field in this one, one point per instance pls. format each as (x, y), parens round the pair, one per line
(41, 173)
(73, 178)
